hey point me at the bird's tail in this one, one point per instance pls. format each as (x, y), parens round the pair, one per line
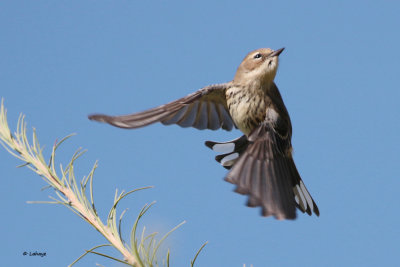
(269, 177)
(231, 150)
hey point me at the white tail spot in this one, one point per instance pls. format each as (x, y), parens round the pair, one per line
(224, 148)
(306, 194)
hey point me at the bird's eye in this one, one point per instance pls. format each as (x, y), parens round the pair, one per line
(258, 55)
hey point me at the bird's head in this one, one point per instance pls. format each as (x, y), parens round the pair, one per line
(258, 66)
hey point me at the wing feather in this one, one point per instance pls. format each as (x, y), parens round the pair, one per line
(190, 116)
(203, 109)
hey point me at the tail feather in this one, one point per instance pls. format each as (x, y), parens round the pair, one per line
(304, 202)
(261, 169)
(231, 149)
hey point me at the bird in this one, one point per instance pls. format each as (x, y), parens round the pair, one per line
(260, 162)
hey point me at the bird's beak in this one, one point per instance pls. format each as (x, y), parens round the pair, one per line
(277, 52)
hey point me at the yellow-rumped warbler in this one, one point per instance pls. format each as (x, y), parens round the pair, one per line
(260, 162)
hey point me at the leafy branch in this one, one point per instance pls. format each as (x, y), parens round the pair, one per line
(138, 252)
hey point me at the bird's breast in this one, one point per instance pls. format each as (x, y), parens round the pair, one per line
(247, 107)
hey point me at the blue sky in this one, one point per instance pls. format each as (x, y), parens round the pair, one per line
(61, 60)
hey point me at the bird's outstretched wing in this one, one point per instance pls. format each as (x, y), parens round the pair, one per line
(266, 172)
(203, 109)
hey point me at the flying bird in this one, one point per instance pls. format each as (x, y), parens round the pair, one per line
(260, 162)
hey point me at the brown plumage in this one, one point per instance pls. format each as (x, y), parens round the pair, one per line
(260, 162)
